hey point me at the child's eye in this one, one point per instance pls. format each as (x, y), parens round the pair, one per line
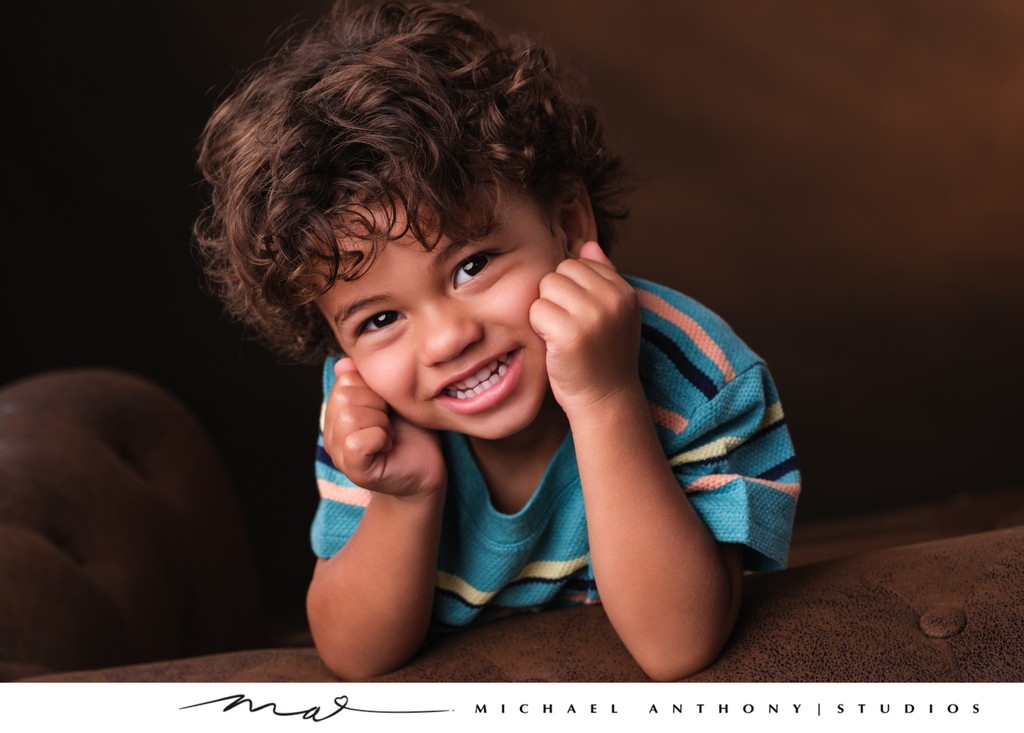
(470, 268)
(379, 321)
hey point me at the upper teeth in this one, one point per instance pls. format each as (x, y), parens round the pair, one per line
(487, 377)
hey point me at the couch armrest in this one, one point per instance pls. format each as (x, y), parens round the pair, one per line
(119, 534)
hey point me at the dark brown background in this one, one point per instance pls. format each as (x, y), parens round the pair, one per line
(842, 181)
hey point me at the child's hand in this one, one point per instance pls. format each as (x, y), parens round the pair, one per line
(589, 317)
(375, 448)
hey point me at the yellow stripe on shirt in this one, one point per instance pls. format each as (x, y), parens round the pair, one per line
(722, 446)
(542, 569)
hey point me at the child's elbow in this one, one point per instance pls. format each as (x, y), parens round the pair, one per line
(347, 654)
(353, 669)
(348, 663)
(672, 662)
(673, 671)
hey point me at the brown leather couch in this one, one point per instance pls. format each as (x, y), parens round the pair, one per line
(124, 559)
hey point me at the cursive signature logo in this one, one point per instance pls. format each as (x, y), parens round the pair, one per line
(314, 713)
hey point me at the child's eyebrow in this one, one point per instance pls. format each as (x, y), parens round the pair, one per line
(450, 251)
(346, 311)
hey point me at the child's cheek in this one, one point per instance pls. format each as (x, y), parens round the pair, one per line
(385, 377)
(517, 294)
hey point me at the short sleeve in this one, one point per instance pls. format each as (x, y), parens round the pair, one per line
(735, 461)
(342, 503)
(720, 423)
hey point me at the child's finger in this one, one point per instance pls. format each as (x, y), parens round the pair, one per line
(351, 390)
(351, 382)
(362, 451)
(592, 251)
(346, 374)
(570, 285)
(550, 321)
(344, 364)
(354, 418)
(575, 283)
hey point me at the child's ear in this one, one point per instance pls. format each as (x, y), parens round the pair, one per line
(573, 220)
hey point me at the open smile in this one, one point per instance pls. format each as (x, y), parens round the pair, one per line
(487, 387)
(483, 380)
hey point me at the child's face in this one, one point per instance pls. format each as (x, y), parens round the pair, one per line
(444, 336)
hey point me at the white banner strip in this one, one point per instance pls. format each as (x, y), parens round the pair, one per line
(493, 707)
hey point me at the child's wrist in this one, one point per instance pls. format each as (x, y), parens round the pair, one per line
(425, 499)
(606, 405)
(427, 493)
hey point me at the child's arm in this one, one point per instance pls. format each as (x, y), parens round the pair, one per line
(670, 590)
(369, 605)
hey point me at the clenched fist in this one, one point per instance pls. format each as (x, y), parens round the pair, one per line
(589, 318)
(375, 448)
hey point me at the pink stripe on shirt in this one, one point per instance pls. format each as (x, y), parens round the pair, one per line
(690, 327)
(718, 480)
(343, 494)
(665, 417)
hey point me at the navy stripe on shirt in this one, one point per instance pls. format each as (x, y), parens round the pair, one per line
(686, 367)
(324, 457)
(780, 470)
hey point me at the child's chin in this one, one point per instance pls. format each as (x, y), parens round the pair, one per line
(467, 428)
(506, 429)
(490, 434)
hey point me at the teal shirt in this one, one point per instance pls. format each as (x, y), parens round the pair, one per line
(720, 424)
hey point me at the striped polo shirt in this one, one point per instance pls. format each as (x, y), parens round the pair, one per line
(720, 423)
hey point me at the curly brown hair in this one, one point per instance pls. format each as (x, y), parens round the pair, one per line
(418, 109)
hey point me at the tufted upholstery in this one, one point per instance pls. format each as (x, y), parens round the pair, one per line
(124, 559)
(119, 537)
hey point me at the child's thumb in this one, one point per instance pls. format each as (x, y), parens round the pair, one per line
(344, 364)
(593, 251)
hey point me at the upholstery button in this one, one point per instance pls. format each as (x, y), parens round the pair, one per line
(941, 622)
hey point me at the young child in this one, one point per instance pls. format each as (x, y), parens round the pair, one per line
(509, 423)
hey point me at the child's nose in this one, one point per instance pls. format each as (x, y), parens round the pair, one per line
(447, 332)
